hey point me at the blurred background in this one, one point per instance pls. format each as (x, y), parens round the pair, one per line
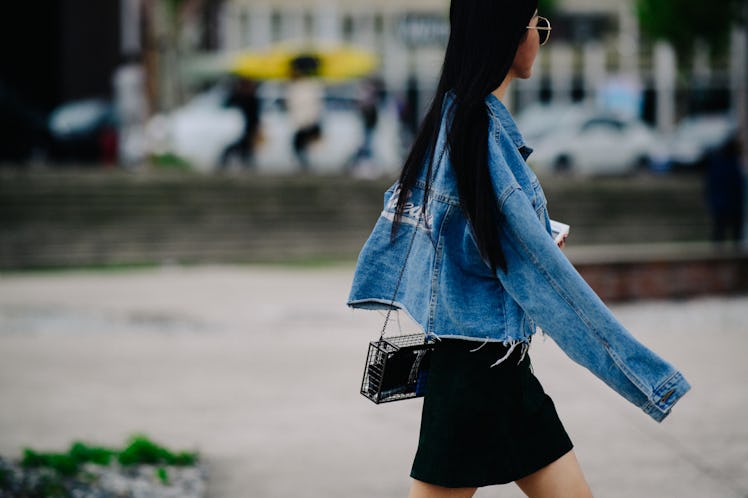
(134, 82)
(206, 171)
(240, 102)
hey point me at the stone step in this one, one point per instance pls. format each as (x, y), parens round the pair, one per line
(71, 217)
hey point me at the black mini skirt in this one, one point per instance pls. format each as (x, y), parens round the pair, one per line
(484, 425)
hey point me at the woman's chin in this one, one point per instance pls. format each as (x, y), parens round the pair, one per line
(525, 74)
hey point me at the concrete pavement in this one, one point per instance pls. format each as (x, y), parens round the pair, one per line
(258, 368)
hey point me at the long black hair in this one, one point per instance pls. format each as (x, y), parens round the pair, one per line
(483, 40)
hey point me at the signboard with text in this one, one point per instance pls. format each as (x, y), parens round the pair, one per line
(416, 29)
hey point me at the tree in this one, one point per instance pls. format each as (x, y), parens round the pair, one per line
(546, 7)
(682, 22)
(164, 50)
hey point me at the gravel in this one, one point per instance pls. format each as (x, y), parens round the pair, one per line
(97, 481)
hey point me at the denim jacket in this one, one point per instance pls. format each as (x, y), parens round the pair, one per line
(449, 290)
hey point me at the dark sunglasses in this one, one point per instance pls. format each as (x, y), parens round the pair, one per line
(544, 29)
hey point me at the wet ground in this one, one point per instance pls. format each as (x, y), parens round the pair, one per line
(258, 368)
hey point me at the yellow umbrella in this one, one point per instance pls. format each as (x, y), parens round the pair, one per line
(335, 62)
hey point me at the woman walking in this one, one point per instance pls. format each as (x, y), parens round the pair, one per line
(465, 239)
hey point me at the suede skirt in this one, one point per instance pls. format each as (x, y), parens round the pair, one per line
(484, 425)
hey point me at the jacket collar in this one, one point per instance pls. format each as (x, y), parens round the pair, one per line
(499, 112)
(502, 114)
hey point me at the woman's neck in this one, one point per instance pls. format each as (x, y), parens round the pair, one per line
(501, 91)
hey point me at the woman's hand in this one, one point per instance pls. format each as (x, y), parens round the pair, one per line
(561, 243)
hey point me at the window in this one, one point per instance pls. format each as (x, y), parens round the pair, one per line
(244, 35)
(347, 27)
(308, 28)
(378, 24)
(275, 25)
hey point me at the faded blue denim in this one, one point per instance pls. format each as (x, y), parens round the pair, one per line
(451, 291)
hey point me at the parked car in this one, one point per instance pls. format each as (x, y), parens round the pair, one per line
(693, 139)
(580, 140)
(200, 131)
(83, 131)
(203, 130)
(539, 120)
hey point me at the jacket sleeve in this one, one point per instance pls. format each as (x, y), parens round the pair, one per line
(545, 284)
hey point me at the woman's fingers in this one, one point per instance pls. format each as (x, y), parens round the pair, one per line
(562, 242)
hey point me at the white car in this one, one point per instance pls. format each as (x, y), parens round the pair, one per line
(590, 143)
(695, 137)
(202, 130)
(537, 121)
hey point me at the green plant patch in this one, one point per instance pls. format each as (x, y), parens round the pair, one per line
(170, 161)
(61, 463)
(143, 450)
(84, 453)
(139, 450)
(162, 475)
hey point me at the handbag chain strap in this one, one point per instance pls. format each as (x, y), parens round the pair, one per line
(400, 276)
(407, 254)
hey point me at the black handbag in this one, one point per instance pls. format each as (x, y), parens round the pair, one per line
(396, 368)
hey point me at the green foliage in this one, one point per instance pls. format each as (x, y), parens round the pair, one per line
(169, 161)
(140, 450)
(143, 450)
(57, 472)
(162, 475)
(547, 7)
(173, 6)
(681, 22)
(69, 463)
(83, 453)
(62, 463)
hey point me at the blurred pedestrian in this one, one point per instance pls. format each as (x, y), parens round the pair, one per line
(725, 191)
(466, 232)
(244, 98)
(407, 107)
(368, 107)
(412, 97)
(304, 104)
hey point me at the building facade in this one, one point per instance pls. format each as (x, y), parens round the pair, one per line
(593, 42)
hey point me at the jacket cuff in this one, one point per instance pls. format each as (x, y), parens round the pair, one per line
(665, 396)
